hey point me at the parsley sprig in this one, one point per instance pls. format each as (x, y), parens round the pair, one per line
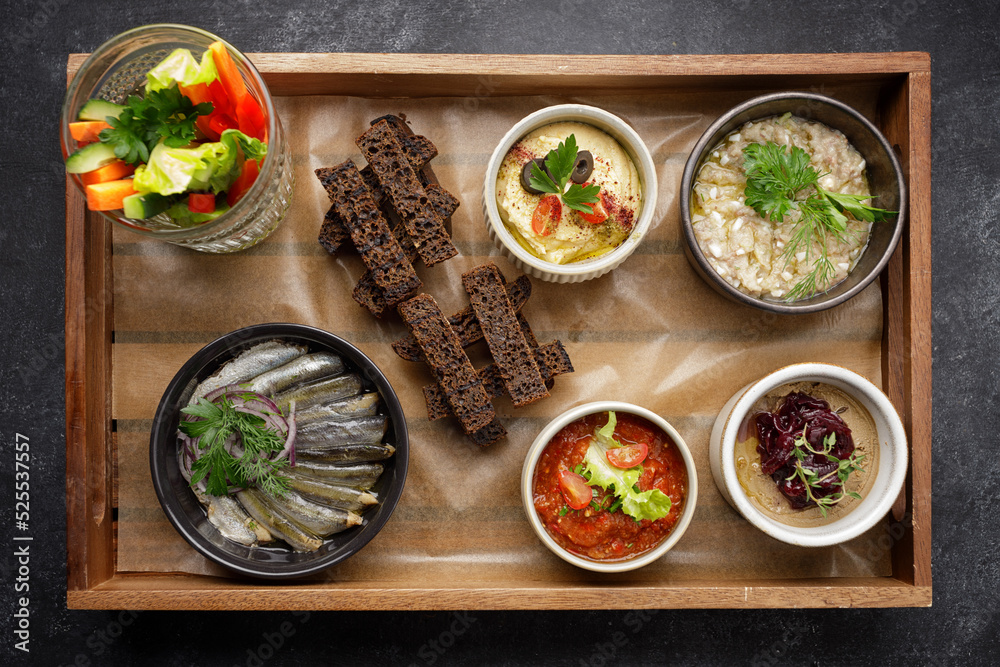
(560, 163)
(163, 114)
(217, 466)
(777, 179)
(813, 481)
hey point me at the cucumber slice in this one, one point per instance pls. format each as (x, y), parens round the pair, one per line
(97, 109)
(90, 157)
(184, 217)
(145, 205)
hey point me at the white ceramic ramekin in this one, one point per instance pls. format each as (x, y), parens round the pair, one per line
(892, 455)
(535, 452)
(573, 272)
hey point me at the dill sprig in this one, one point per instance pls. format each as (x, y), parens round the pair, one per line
(217, 466)
(776, 181)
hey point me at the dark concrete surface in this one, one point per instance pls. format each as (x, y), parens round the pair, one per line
(960, 629)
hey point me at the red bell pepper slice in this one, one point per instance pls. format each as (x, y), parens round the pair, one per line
(232, 80)
(219, 99)
(198, 94)
(251, 118)
(220, 123)
(243, 182)
(201, 202)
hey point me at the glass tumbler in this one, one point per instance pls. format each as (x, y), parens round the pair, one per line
(118, 69)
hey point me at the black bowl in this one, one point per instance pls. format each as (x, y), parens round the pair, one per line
(885, 178)
(186, 513)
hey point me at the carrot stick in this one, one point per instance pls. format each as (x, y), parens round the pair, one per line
(109, 172)
(232, 81)
(87, 130)
(109, 195)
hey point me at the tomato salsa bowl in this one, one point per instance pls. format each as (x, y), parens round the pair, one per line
(569, 480)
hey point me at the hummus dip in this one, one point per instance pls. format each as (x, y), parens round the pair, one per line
(761, 489)
(572, 239)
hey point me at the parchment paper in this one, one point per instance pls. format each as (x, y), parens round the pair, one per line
(650, 332)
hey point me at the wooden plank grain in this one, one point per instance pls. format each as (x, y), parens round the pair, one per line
(477, 76)
(906, 340)
(90, 549)
(896, 371)
(919, 319)
(166, 592)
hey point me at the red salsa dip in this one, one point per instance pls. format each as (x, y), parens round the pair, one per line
(600, 534)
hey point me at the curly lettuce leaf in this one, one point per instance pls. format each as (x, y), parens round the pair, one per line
(210, 166)
(228, 166)
(171, 171)
(652, 504)
(181, 67)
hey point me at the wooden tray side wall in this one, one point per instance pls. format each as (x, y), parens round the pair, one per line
(90, 466)
(905, 118)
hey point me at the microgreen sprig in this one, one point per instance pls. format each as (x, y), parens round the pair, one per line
(813, 481)
(560, 163)
(776, 181)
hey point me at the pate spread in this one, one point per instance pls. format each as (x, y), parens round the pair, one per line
(748, 251)
(761, 489)
(572, 238)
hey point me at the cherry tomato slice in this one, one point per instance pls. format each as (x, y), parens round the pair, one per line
(628, 456)
(546, 215)
(599, 215)
(575, 490)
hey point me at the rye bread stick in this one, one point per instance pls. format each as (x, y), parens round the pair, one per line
(467, 326)
(384, 152)
(503, 334)
(488, 434)
(453, 372)
(367, 292)
(380, 251)
(333, 234)
(551, 358)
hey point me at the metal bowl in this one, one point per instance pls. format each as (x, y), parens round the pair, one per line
(885, 178)
(187, 514)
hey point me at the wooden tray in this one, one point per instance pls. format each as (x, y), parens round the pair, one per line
(902, 85)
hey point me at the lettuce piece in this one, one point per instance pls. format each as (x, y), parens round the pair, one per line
(171, 171)
(181, 67)
(652, 504)
(209, 166)
(227, 167)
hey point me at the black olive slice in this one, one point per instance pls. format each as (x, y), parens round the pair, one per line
(526, 175)
(584, 167)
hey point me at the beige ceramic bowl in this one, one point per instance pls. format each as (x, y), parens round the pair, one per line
(573, 272)
(535, 452)
(892, 455)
